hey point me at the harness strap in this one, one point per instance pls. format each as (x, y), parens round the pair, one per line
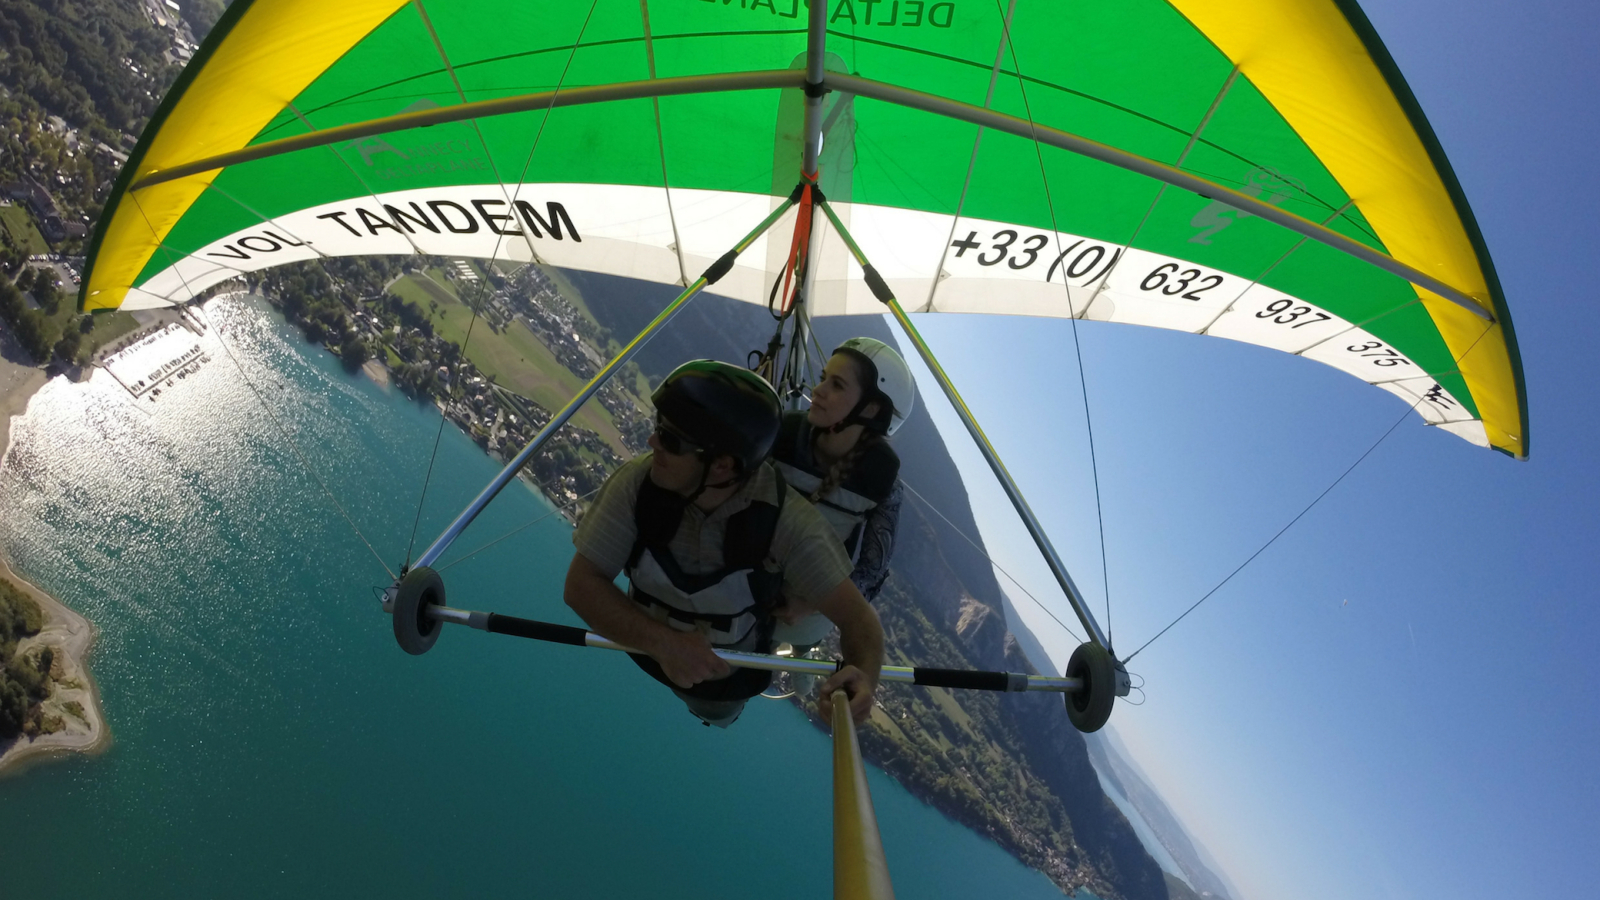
(718, 622)
(747, 544)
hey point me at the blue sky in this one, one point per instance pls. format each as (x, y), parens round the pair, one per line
(1399, 699)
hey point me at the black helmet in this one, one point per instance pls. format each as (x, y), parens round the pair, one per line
(723, 408)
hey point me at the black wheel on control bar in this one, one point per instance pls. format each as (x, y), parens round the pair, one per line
(414, 629)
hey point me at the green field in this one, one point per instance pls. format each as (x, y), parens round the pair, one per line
(433, 288)
(574, 296)
(515, 359)
(107, 326)
(19, 224)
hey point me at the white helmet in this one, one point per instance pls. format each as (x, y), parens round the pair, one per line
(891, 381)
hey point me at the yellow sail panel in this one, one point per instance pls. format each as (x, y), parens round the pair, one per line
(247, 80)
(1307, 59)
(1481, 354)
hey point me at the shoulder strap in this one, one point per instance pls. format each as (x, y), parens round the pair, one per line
(875, 471)
(748, 539)
(791, 432)
(796, 440)
(657, 512)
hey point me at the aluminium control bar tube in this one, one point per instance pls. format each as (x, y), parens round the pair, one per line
(712, 274)
(860, 871)
(960, 679)
(1057, 567)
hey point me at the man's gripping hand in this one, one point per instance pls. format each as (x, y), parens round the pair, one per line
(686, 658)
(857, 685)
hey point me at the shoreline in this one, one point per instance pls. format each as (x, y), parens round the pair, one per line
(69, 633)
(378, 372)
(73, 637)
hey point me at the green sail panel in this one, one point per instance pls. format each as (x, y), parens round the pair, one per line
(958, 218)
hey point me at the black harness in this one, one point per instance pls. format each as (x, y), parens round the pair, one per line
(873, 476)
(746, 546)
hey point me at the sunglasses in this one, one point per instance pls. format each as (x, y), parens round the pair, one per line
(673, 441)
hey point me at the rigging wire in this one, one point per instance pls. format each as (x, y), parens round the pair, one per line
(972, 160)
(1274, 538)
(800, 365)
(277, 423)
(1232, 304)
(985, 554)
(786, 303)
(282, 431)
(438, 434)
(1413, 408)
(1104, 280)
(326, 270)
(661, 143)
(323, 261)
(483, 292)
(1077, 347)
(805, 370)
(1099, 287)
(519, 529)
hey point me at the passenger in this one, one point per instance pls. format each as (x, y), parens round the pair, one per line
(709, 535)
(837, 454)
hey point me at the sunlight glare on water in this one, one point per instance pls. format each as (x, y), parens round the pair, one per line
(271, 740)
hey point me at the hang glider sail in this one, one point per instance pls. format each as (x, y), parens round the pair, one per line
(1251, 169)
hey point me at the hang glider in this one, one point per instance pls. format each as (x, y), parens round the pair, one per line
(1249, 170)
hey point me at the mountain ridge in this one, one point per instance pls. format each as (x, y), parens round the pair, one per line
(1116, 765)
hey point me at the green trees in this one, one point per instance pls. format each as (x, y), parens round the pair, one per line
(13, 707)
(94, 62)
(69, 346)
(420, 380)
(11, 303)
(353, 352)
(202, 14)
(410, 314)
(37, 333)
(33, 328)
(23, 683)
(20, 616)
(46, 292)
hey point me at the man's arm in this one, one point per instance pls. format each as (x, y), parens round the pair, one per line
(685, 656)
(861, 639)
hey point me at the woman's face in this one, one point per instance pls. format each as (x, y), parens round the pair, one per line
(836, 394)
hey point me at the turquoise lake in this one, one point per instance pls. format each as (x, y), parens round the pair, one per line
(269, 737)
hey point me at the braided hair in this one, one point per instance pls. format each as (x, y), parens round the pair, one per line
(841, 468)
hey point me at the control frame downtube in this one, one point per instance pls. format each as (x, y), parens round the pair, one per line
(1020, 503)
(713, 273)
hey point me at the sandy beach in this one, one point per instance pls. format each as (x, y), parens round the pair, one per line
(70, 634)
(377, 371)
